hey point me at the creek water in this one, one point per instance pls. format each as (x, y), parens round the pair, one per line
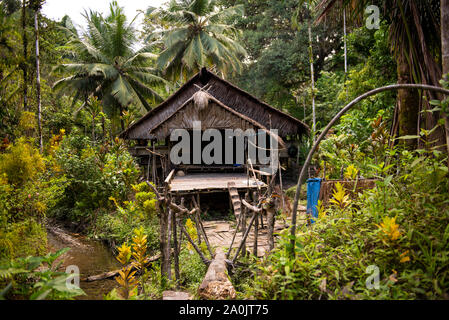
(90, 256)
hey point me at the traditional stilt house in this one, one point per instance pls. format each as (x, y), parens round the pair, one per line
(203, 103)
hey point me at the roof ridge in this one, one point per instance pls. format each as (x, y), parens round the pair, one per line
(202, 76)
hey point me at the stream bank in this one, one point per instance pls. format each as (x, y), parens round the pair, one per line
(90, 256)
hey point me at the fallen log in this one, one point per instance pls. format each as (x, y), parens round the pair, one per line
(216, 284)
(111, 274)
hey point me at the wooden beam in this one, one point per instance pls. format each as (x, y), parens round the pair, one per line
(158, 195)
(155, 153)
(254, 174)
(169, 177)
(201, 226)
(111, 274)
(270, 222)
(261, 172)
(244, 237)
(203, 258)
(176, 249)
(216, 284)
(168, 247)
(251, 207)
(233, 237)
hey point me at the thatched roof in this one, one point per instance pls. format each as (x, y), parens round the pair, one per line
(226, 93)
(211, 113)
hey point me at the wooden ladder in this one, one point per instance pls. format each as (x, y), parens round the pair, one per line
(235, 199)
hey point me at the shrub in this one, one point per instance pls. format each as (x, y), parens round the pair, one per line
(192, 269)
(117, 229)
(291, 192)
(400, 227)
(22, 239)
(35, 278)
(119, 226)
(94, 174)
(21, 163)
(26, 190)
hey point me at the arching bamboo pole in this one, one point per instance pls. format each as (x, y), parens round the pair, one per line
(330, 125)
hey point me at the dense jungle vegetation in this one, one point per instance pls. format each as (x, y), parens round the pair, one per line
(61, 159)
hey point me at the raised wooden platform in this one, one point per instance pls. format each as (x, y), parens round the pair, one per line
(220, 233)
(208, 182)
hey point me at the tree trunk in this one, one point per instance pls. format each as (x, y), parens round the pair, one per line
(312, 79)
(168, 247)
(216, 284)
(256, 223)
(25, 57)
(175, 246)
(344, 41)
(270, 222)
(408, 103)
(444, 6)
(38, 81)
(164, 242)
(244, 217)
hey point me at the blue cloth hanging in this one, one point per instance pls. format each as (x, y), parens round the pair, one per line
(313, 194)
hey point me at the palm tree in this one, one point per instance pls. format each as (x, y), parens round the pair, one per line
(305, 6)
(195, 35)
(106, 65)
(36, 5)
(444, 9)
(25, 56)
(415, 39)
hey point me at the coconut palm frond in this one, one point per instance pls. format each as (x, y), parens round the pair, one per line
(199, 37)
(107, 66)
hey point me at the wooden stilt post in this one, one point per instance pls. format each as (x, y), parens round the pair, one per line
(164, 167)
(180, 237)
(176, 249)
(233, 237)
(153, 167)
(163, 241)
(197, 224)
(270, 209)
(281, 185)
(200, 226)
(256, 232)
(168, 247)
(148, 167)
(244, 217)
(203, 258)
(245, 236)
(256, 225)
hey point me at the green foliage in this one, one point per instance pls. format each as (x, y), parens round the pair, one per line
(277, 68)
(21, 163)
(338, 154)
(404, 232)
(22, 239)
(196, 34)
(25, 188)
(292, 191)
(145, 198)
(118, 227)
(37, 278)
(329, 86)
(192, 269)
(94, 174)
(105, 64)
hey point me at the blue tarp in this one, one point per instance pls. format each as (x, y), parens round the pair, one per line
(313, 194)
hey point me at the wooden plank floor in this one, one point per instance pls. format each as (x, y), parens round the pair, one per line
(209, 181)
(220, 233)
